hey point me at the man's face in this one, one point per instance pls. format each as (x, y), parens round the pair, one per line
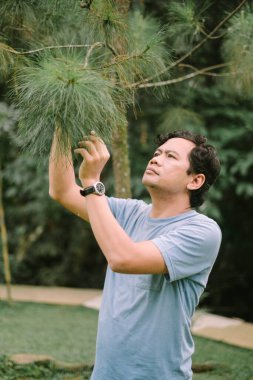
(167, 170)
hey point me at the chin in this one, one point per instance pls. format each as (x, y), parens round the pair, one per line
(147, 182)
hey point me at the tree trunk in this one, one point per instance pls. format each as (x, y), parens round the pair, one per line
(26, 241)
(4, 239)
(121, 163)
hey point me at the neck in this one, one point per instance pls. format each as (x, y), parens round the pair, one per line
(165, 206)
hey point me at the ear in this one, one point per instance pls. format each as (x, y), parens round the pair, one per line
(196, 181)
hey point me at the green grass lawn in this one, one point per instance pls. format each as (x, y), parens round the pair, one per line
(68, 334)
(230, 362)
(64, 332)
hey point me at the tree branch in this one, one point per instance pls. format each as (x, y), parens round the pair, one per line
(123, 58)
(205, 71)
(11, 50)
(213, 67)
(196, 47)
(96, 44)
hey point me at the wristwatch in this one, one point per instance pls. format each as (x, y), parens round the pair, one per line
(98, 188)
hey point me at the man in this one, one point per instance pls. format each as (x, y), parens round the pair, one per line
(159, 255)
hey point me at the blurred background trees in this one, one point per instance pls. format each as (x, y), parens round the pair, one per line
(147, 67)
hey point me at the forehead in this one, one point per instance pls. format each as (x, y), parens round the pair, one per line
(179, 145)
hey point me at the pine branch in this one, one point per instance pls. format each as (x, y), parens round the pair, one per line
(119, 59)
(213, 37)
(111, 48)
(11, 50)
(205, 71)
(196, 47)
(92, 47)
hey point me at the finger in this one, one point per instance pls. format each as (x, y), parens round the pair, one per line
(93, 133)
(93, 136)
(96, 139)
(99, 144)
(83, 152)
(90, 146)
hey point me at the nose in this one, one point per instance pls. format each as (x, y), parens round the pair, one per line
(155, 160)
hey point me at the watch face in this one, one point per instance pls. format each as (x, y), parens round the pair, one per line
(100, 188)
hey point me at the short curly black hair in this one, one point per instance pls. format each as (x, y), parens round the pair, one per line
(203, 159)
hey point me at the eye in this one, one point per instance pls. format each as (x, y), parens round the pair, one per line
(171, 155)
(156, 154)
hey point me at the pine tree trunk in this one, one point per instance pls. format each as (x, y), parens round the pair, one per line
(121, 163)
(4, 241)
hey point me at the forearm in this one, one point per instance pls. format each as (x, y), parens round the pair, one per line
(61, 170)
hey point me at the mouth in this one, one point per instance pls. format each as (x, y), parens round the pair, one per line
(151, 171)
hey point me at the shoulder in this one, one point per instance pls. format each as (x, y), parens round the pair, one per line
(203, 230)
(206, 223)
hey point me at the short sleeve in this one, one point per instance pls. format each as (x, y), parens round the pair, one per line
(191, 249)
(117, 205)
(126, 209)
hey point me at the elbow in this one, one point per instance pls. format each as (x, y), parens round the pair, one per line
(119, 265)
(54, 195)
(122, 260)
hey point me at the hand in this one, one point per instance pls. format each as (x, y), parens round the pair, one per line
(95, 155)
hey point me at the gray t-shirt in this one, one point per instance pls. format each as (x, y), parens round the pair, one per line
(144, 322)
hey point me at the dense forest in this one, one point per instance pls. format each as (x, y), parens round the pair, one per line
(130, 70)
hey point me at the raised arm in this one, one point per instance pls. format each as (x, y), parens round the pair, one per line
(122, 253)
(62, 184)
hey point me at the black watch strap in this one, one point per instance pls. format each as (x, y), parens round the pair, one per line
(88, 190)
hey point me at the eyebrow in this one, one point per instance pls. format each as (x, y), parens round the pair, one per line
(168, 151)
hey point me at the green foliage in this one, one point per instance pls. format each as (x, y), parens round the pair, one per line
(181, 118)
(7, 60)
(186, 23)
(31, 22)
(10, 61)
(18, 15)
(8, 120)
(238, 51)
(57, 14)
(78, 92)
(105, 21)
(70, 97)
(146, 46)
(232, 132)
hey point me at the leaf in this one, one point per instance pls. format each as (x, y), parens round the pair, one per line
(243, 164)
